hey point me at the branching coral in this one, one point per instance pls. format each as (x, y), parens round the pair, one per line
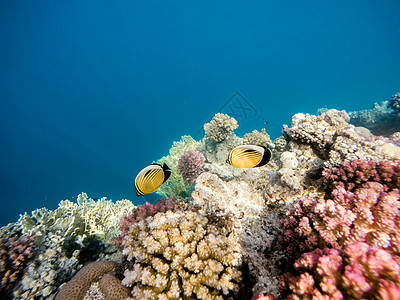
(181, 254)
(76, 288)
(358, 272)
(191, 165)
(363, 206)
(219, 128)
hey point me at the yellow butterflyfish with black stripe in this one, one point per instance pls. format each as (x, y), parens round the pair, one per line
(249, 156)
(151, 178)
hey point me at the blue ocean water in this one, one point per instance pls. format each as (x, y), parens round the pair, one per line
(93, 91)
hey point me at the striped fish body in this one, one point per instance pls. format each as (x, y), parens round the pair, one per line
(151, 178)
(249, 156)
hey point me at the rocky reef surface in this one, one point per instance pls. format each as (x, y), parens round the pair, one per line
(320, 221)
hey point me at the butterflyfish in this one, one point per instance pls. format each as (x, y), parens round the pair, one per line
(249, 156)
(151, 178)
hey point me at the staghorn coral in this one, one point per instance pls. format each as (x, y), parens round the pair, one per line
(220, 127)
(141, 212)
(358, 272)
(362, 206)
(191, 165)
(175, 186)
(182, 254)
(113, 289)
(76, 288)
(16, 250)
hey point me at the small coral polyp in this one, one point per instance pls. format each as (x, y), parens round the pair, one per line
(181, 255)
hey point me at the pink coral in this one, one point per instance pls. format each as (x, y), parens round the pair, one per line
(363, 205)
(358, 272)
(191, 165)
(141, 212)
(15, 251)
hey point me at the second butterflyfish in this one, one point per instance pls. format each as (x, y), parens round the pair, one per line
(249, 156)
(151, 178)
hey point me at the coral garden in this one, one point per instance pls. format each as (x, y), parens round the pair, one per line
(320, 221)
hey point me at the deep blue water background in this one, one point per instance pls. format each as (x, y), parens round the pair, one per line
(93, 91)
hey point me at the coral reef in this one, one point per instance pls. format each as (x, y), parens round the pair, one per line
(191, 165)
(16, 249)
(76, 288)
(326, 209)
(175, 186)
(358, 272)
(182, 254)
(220, 127)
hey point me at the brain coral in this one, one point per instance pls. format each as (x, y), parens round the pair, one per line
(76, 288)
(220, 127)
(112, 288)
(182, 255)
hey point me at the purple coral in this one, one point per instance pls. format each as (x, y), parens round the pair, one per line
(191, 165)
(141, 212)
(358, 272)
(15, 251)
(363, 205)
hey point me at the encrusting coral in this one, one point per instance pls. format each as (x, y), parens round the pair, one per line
(182, 255)
(76, 288)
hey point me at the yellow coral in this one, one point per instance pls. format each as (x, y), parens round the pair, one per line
(201, 260)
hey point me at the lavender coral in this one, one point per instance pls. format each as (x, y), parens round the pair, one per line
(191, 165)
(358, 272)
(182, 255)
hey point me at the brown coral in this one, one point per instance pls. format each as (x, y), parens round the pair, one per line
(76, 288)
